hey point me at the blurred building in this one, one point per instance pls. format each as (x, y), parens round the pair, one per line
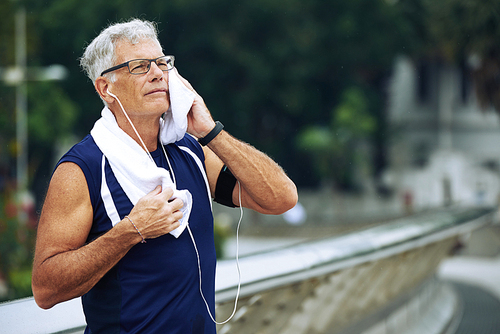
(444, 148)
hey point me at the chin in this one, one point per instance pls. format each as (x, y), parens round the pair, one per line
(157, 107)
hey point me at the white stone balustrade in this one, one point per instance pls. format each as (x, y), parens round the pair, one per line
(375, 281)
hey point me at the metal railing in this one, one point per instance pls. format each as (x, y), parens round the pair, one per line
(332, 285)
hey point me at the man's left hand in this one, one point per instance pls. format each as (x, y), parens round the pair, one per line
(200, 121)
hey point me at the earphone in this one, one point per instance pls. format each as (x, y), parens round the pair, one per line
(188, 228)
(113, 95)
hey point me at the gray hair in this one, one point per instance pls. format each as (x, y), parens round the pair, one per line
(99, 55)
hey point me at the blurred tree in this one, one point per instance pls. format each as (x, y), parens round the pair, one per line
(303, 81)
(50, 118)
(336, 150)
(16, 244)
(268, 68)
(468, 31)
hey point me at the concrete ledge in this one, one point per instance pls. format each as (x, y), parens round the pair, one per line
(479, 271)
(23, 316)
(433, 308)
(333, 282)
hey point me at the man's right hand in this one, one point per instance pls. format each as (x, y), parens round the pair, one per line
(156, 214)
(65, 264)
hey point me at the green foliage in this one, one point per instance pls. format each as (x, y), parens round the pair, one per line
(464, 25)
(51, 113)
(302, 80)
(222, 231)
(16, 245)
(464, 31)
(352, 115)
(335, 150)
(20, 282)
(267, 68)
(7, 32)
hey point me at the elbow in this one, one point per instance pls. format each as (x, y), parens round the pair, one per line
(291, 200)
(276, 201)
(43, 305)
(294, 199)
(44, 296)
(42, 299)
(286, 200)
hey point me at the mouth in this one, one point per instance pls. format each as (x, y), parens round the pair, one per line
(157, 91)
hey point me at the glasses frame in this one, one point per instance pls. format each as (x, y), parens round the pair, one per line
(126, 64)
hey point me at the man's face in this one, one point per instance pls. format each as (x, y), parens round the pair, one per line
(141, 94)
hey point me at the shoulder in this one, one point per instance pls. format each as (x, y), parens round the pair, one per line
(85, 154)
(88, 157)
(86, 150)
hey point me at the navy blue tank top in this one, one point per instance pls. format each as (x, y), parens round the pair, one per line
(155, 286)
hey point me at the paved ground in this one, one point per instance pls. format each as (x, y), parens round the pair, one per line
(475, 274)
(481, 310)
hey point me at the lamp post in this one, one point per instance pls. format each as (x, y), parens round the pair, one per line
(21, 102)
(18, 76)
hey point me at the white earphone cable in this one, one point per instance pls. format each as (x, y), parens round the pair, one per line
(132, 124)
(237, 266)
(189, 229)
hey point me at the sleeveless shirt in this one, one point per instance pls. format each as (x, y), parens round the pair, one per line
(154, 288)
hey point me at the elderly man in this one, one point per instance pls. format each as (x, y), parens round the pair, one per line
(127, 221)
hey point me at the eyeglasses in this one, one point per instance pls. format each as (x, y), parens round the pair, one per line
(141, 66)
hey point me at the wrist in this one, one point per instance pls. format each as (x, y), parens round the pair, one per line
(127, 233)
(212, 134)
(136, 229)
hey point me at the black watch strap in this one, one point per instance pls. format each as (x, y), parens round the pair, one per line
(212, 134)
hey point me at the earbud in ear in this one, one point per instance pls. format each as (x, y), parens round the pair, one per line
(113, 95)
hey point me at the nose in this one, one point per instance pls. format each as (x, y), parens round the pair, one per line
(155, 72)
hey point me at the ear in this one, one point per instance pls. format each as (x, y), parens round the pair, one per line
(102, 84)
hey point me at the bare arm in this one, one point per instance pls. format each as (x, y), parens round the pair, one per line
(265, 186)
(65, 266)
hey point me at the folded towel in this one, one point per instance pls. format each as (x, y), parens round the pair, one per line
(134, 170)
(174, 122)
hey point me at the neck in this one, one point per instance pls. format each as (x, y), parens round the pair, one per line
(147, 128)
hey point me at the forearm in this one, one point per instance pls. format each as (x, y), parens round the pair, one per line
(263, 180)
(266, 188)
(72, 273)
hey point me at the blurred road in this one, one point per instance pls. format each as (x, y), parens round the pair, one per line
(475, 273)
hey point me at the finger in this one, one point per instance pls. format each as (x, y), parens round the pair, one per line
(176, 203)
(177, 215)
(174, 225)
(167, 193)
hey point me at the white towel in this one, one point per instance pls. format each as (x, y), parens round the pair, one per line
(181, 99)
(132, 166)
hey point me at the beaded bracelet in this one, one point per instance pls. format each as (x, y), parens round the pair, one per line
(143, 240)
